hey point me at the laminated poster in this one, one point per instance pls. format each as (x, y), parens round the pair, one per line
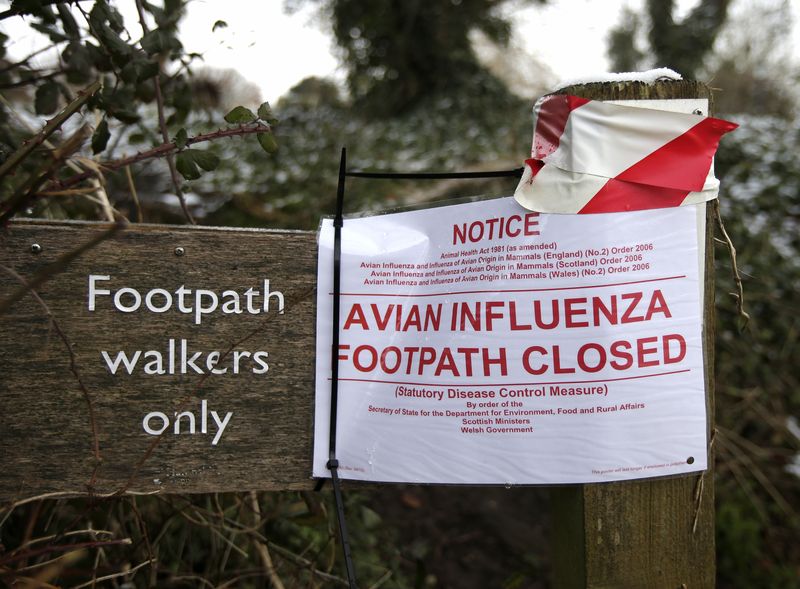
(482, 343)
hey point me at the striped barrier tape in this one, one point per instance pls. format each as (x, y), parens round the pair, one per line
(590, 156)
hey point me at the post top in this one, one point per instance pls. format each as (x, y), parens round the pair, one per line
(646, 77)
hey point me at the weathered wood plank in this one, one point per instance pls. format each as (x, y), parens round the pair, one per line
(47, 440)
(643, 533)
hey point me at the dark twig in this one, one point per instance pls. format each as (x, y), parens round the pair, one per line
(30, 81)
(737, 278)
(62, 548)
(162, 123)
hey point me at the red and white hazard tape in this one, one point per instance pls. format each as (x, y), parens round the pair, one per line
(596, 157)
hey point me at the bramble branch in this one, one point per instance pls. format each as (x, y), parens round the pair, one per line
(162, 150)
(51, 127)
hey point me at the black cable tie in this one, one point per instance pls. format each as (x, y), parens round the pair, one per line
(333, 463)
(515, 173)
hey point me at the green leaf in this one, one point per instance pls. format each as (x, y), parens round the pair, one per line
(102, 12)
(180, 138)
(125, 115)
(154, 42)
(135, 138)
(205, 159)
(78, 60)
(130, 72)
(46, 101)
(148, 69)
(184, 162)
(139, 69)
(100, 137)
(99, 58)
(220, 24)
(26, 6)
(68, 22)
(118, 48)
(159, 41)
(55, 35)
(267, 142)
(265, 114)
(240, 114)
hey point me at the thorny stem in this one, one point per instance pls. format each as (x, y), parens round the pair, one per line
(46, 170)
(162, 123)
(163, 150)
(51, 127)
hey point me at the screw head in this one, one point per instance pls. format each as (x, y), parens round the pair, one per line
(36, 248)
(179, 251)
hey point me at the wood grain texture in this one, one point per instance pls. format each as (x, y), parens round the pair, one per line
(46, 441)
(642, 533)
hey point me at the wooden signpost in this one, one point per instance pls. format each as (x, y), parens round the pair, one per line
(206, 334)
(650, 533)
(181, 360)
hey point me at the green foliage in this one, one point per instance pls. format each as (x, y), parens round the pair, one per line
(159, 41)
(47, 96)
(136, 96)
(623, 47)
(682, 46)
(190, 161)
(181, 137)
(94, 44)
(267, 142)
(240, 115)
(265, 114)
(100, 137)
(398, 53)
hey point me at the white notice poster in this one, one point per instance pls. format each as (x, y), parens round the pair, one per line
(482, 343)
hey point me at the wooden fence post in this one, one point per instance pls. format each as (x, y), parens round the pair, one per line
(643, 534)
